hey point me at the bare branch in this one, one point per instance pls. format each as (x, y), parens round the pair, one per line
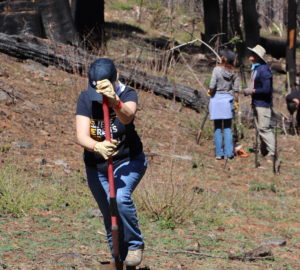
(193, 41)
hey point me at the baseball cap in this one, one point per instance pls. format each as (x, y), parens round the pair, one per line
(102, 68)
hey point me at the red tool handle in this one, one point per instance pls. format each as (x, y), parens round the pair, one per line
(108, 138)
(112, 193)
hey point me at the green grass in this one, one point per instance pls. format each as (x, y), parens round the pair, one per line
(21, 193)
(120, 5)
(62, 221)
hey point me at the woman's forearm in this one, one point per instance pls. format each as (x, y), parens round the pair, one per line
(125, 112)
(86, 141)
(83, 132)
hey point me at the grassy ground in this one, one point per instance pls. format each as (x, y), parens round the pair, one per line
(187, 202)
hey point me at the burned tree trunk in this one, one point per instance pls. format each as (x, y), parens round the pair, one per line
(211, 20)
(42, 18)
(76, 60)
(250, 22)
(236, 30)
(57, 21)
(224, 25)
(89, 21)
(20, 17)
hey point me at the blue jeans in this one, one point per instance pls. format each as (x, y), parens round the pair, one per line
(126, 176)
(224, 146)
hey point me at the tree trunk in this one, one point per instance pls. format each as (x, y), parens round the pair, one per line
(291, 45)
(225, 22)
(211, 20)
(89, 22)
(250, 22)
(236, 30)
(57, 21)
(20, 18)
(75, 60)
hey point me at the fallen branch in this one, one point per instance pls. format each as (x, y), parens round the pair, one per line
(193, 41)
(260, 253)
(198, 254)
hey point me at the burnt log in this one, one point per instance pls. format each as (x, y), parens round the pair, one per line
(76, 60)
(193, 98)
(276, 47)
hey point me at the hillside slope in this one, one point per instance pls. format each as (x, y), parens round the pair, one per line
(231, 208)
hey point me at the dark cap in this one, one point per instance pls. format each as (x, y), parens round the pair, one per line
(230, 55)
(102, 68)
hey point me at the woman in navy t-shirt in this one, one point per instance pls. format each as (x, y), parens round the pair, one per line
(129, 161)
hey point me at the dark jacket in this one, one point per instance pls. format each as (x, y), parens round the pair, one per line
(263, 85)
(292, 95)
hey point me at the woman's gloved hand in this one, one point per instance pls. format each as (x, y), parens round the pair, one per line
(236, 106)
(105, 88)
(210, 92)
(106, 148)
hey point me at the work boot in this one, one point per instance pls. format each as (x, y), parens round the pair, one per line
(134, 257)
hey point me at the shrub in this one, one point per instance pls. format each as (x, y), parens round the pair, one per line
(170, 201)
(15, 192)
(21, 193)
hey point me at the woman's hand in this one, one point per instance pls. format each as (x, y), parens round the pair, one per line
(124, 111)
(106, 148)
(248, 91)
(105, 88)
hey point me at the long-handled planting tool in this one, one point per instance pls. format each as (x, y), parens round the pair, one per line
(112, 192)
(200, 131)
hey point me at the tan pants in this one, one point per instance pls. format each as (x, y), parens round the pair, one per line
(262, 118)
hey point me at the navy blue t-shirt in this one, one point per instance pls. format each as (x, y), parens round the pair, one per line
(129, 143)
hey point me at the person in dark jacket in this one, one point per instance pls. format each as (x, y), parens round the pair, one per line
(125, 147)
(292, 102)
(261, 90)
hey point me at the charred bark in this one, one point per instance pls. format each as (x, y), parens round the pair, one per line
(57, 21)
(276, 46)
(42, 18)
(225, 22)
(89, 21)
(76, 60)
(250, 22)
(20, 17)
(236, 29)
(212, 22)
